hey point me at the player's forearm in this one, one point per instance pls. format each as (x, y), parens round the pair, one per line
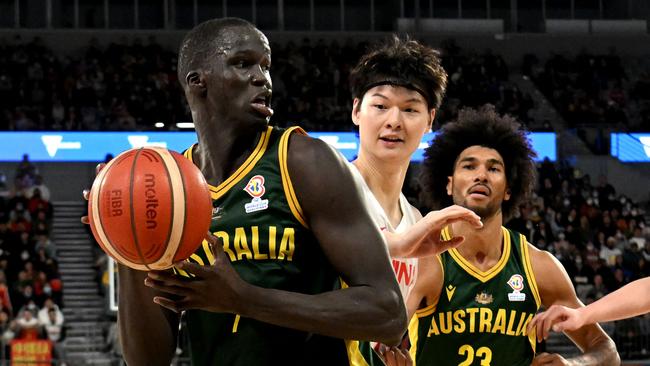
(147, 331)
(360, 313)
(628, 301)
(602, 353)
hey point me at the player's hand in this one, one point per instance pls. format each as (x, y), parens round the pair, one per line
(549, 359)
(395, 356)
(557, 317)
(215, 288)
(423, 239)
(86, 192)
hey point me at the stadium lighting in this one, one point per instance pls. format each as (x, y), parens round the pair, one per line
(159, 125)
(185, 124)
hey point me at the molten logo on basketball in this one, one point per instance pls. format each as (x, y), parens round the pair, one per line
(151, 200)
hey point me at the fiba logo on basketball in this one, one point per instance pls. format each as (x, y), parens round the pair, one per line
(114, 202)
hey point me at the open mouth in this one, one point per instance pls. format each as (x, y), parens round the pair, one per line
(391, 139)
(480, 190)
(262, 104)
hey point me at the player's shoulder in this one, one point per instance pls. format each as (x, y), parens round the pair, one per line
(307, 152)
(540, 257)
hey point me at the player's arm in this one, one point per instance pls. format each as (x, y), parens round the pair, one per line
(148, 332)
(371, 308)
(626, 302)
(428, 286)
(423, 238)
(555, 288)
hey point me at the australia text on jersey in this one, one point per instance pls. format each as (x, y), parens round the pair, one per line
(480, 320)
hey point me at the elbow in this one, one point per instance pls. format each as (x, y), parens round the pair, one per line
(396, 322)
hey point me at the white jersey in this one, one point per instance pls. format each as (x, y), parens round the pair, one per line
(406, 269)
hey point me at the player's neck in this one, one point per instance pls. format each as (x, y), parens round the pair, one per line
(483, 246)
(385, 181)
(221, 151)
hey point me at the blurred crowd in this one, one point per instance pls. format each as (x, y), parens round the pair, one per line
(30, 282)
(132, 86)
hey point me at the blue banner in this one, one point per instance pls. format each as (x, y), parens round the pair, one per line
(630, 147)
(94, 146)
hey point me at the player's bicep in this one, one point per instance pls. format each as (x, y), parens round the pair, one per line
(336, 214)
(426, 291)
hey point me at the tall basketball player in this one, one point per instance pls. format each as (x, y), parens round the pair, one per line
(261, 289)
(398, 85)
(474, 302)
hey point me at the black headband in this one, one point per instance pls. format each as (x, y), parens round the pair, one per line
(399, 82)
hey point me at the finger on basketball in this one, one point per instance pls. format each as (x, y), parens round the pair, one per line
(166, 288)
(193, 268)
(99, 167)
(85, 220)
(167, 303)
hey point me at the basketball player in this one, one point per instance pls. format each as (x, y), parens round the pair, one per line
(628, 301)
(474, 302)
(262, 290)
(397, 87)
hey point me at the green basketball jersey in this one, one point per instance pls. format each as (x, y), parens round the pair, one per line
(481, 317)
(266, 237)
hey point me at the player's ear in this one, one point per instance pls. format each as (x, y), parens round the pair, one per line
(433, 117)
(506, 197)
(356, 107)
(195, 81)
(450, 181)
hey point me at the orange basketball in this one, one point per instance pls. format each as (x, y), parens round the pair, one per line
(149, 208)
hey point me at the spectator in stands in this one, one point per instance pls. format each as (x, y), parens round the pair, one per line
(26, 168)
(44, 243)
(52, 323)
(39, 185)
(28, 326)
(609, 252)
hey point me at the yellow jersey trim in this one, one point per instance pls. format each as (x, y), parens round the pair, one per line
(218, 191)
(532, 283)
(414, 324)
(485, 276)
(354, 354)
(289, 192)
(528, 267)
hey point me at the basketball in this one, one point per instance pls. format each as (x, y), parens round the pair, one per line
(149, 208)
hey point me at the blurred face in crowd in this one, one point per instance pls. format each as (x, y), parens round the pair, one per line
(392, 121)
(479, 181)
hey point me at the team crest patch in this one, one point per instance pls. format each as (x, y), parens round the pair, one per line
(255, 188)
(484, 298)
(516, 282)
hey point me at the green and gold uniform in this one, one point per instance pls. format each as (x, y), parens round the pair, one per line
(481, 317)
(267, 239)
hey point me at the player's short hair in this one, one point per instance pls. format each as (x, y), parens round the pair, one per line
(401, 62)
(482, 127)
(200, 43)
